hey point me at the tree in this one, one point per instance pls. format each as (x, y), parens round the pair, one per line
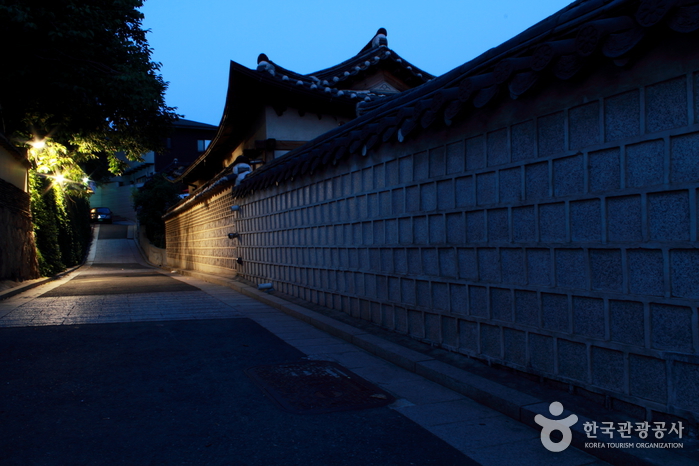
(151, 202)
(80, 73)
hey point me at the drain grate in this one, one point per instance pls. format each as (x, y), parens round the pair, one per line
(313, 387)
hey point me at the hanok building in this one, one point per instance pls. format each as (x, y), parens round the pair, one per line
(535, 208)
(272, 110)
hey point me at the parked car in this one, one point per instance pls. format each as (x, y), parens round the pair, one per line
(101, 214)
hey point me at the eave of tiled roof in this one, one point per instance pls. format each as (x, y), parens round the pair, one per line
(557, 47)
(19, 154)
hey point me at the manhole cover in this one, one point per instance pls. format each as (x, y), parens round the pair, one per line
(313, 387)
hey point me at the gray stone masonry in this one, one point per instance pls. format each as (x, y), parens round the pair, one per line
(557, 236)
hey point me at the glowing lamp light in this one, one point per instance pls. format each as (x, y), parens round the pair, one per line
(86, 180)
(60, 178)
(38, 144)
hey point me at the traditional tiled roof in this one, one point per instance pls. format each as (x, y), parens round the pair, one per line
(327, 91)
(581, 36)
(584, 35)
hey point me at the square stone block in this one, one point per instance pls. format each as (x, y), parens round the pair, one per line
(686, 382)
(485, 188)
(551, 134)
(606, 271)
(668, 216)
(420, 230)
(475, 153)
(586, 220)
(498, 225)
(468, 266)
(646, 276)
(568, 176)
(459, 299)
(433, 328)
(552, 223)
(401, 318)
(671, 327)
(450, 334)
(608, 368)
(428, 197)
(684, 271)
(588, 317)
(392, 174)
(423, 294)
(412, 199)
(445, 195)
(400, 261)
(624, 219)
(465, 192)
(554, 311)
(501, 304)
(475, 226)
(406, 169)
(647, 378)
(570, 268)
(627, 320)
(523, 141)
(489, 265)
(572, 360)
(527, 308)
(440, 296)
(645, 163)
(512, 265)
(437, 229)
(416, 324)
(683, 158)
(511, 185)
(456, 158)
(497, 148)
(478, 301)
(537, 181)
(584, 125)
(438, 162)
(448, 266)
(666, 105)
(541, 352)
(491, 340)
(468, 335)
(622, 116)
(456, 228)
(523, 224)
(430, 262)
(539, 266)
(408, 291)
(515, 346)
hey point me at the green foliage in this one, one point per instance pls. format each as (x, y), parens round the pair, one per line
(61, 223)
(79, 71)
(151, 202)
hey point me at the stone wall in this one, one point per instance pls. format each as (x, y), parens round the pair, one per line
(17, 251)
(554, 234)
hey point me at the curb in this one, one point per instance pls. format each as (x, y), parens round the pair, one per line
(37, 282)
(517, 405)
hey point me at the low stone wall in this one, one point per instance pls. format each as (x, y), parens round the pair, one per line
(554, 234)
(17, 250)
(154, 255)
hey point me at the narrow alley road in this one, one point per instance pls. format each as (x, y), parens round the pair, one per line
(120, 363)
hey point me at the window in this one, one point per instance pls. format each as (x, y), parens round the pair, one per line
(203, 144)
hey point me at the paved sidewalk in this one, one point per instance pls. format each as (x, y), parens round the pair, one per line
(481, 433)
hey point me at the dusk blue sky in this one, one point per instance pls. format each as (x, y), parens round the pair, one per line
(195, 40)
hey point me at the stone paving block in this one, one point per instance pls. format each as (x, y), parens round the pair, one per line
(420, 392)
(475, 153)
(647, 378)
(523, 141)
(606, 270)
(671, 327)
(586, 220)
(666, 105)
(447, 412)
(568, 176)
(552, 223)
(486, 192)
(539, 266)
(456, 158)
(554, 311)
(572, 360)
(498, 225)
(645, 163)
(588, 317)
(523, 224)
(551, 134)
(584, 125)
(465, 191)
(683, 166)
(536, 181)
(622, 116)
(526, 308)
(668, 216)
(627, 321)
(608, 368)
(477, 435)
(684, 270)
